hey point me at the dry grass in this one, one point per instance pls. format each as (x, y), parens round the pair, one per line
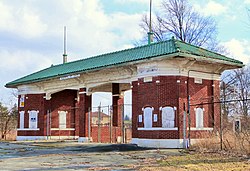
(201, 161)
(237, 143)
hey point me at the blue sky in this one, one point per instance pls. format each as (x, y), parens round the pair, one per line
(31, 32)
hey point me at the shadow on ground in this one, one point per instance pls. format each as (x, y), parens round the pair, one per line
(30, 149)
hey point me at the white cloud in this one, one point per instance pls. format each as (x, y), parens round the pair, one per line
(21, 20)
(90, 31)
(239, 49)
(155, 3)
(20, 63)
(16, 64)
(211, 8)
(247, 1)
(132, 1)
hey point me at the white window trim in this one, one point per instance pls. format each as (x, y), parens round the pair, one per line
(201, 120)
(21, 120)
(28, 129)
(144, 117)
(158, 129)
(174, 108)
(37, 112)
(201, 129)
(62, 129)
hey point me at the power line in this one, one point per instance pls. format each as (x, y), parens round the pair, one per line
(225, 101)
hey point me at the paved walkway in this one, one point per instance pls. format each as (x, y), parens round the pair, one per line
(77, 156)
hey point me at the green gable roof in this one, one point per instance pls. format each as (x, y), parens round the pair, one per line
(153, 50)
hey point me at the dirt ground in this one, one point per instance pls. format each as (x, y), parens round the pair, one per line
(70, 155)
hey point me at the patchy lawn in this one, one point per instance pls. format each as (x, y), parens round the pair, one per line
(202, 161)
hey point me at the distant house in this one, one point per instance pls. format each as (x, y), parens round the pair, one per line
(104, 118)
(168, 80)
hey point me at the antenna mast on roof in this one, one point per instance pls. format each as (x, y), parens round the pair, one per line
(64, 46)
(150, 33)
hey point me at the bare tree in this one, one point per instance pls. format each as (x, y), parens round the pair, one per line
(179, 19)
(8, 120)
(236, 87)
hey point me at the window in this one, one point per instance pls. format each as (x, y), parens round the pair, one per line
(62, 119)
(33, 119)
(199, 117)
(237, 126)
(147, 113)
(21, 119)
(21, 101)
(168, 117)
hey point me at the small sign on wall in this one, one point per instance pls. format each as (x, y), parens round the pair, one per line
(155, 117)
(140, 118)
(21, 102)
(198, 80)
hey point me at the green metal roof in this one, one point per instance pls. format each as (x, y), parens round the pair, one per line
(153, 50)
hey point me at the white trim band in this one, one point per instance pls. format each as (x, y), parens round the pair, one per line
(158, 129)
(201, 129)
(158, 143)
(62, 129)
(31, 138)
(28, 129)
(83, 139)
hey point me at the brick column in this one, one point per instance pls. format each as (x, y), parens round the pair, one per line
(81, 115)
(135, 111)
(115, 98)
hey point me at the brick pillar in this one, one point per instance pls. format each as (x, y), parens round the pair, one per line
(120, 110)
(115, 98)
(182, 106)
(134, 109)
(88, 105)
(47, 117)
(81, 114)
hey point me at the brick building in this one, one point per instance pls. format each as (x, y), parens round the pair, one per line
(163, 76)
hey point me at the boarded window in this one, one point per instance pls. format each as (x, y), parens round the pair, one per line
(21, 120)
(33, 119)
(147, 113)
(62, 119)
(168, 117)
(199, 117)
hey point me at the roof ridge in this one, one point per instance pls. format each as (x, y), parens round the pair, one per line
(109, 53)
(216, 53)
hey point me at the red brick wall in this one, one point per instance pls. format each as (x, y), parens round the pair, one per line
(164, 93)
(105, 134)
(63, 101)
(172, 91)
(33, 102)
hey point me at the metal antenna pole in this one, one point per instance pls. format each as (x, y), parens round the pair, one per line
(150, 17)
(64, 47)
(150, 34)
